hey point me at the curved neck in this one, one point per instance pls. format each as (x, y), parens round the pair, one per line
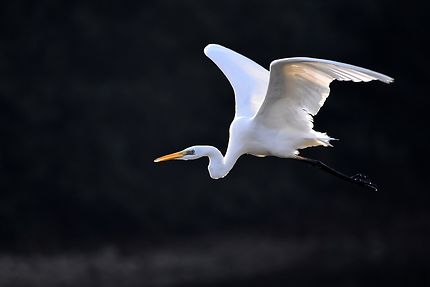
(220, 166)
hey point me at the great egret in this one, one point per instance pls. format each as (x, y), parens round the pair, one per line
(274, 109)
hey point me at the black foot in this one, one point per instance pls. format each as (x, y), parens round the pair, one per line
(363, 180)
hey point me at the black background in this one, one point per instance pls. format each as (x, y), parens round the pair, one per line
(92, 92)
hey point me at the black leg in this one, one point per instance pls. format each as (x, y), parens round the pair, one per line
(359, 179)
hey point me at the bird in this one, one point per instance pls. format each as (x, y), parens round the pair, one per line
(274, 110)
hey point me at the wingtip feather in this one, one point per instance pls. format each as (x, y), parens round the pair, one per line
(211, 47)
(383, 78)
(390, 80)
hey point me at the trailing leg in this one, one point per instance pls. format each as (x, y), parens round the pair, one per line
(358, 179)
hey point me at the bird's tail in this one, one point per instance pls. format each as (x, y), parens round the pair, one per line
(324, 140)
(316, 139)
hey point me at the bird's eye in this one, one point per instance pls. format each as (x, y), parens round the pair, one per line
(191, 152)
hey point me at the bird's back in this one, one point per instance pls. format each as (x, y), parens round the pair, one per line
(248, 136)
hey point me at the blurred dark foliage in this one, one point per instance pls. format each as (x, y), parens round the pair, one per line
(92, 92)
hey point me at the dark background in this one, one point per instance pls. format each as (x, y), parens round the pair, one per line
(91, 93)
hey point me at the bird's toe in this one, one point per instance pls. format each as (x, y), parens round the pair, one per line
(364, 180)
(360, 177)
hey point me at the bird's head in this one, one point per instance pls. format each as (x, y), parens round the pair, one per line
(189, 153)
(217, 167)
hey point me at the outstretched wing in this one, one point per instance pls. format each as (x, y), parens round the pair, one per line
(298, 88)
(248, 79)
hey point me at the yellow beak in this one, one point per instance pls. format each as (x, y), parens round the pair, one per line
(171, 156)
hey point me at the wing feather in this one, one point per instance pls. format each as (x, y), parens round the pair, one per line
(248, 79)
(298, 88)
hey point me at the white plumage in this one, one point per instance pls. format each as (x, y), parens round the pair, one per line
(273, 109)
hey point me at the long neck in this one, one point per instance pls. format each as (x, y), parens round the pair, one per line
(220, 166)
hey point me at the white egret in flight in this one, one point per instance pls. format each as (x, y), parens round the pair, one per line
(274, 109)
